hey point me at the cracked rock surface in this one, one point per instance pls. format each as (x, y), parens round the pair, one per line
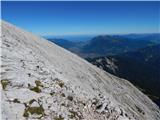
(40, 80)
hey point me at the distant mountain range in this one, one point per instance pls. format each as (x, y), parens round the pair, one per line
(109, 44)
(154, 37)
(140, 67)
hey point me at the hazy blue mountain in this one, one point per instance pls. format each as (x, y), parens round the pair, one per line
(140, 67)
(110, 45)
(154, 37)
(107, 44)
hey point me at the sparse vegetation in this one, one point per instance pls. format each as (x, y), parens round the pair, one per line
(31, 101)
(63, 95)
(38, 83)
(61, 84)
(59, 118)
(30, 110)
(25, 114)
(33, 110)
(73, 114)
(36, 89)
(4, 83)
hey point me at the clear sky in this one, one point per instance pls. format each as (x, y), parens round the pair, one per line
(71, 18)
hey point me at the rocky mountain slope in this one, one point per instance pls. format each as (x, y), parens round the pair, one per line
(41, 80)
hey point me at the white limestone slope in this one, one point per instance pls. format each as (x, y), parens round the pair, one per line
(41, 80)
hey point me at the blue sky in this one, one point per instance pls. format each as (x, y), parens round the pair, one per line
(76, 18)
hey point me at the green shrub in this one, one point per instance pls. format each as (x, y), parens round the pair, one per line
(36, 89)
(4, 83)
(63, 95)
(38, 83)
(25, 114)
(59, 118)
(31, 101)
(34, 110)
(61, 84)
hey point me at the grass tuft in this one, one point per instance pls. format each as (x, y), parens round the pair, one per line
(34, 110)
(36, 89)
(59, 118)
(4, 83)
